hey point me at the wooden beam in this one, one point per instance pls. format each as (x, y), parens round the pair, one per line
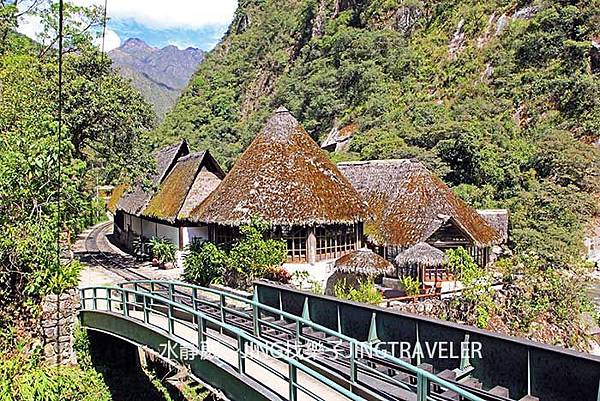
(311, 246)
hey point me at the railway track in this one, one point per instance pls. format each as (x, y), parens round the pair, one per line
(96, 250)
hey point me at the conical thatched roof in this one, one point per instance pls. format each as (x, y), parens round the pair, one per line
(422, 254)
(363, 261)
(285, 178)
(409, 204)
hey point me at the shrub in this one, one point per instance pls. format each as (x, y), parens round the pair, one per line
(366, 292)
(278, 274)
(477, 297)
(204, 263)
(253, 254)
(163, 250)
(411, 286)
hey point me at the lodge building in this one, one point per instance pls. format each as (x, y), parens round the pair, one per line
(182, 181)
(410, 205)
(322, 211)
(287, 180)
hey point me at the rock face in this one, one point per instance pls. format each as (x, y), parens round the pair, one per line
(159, 74)
(59, 315)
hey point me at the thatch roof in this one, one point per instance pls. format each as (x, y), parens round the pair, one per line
(409, 203)
(190, 181)
(115, 197)
(285, 178)
(134, 200)
(363, 261)
(498, 219)
(421, 254)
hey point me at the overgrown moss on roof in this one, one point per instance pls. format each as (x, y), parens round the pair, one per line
(285, 178)
(186, 186)
(169, 199)
(409, 203)
(136, 198)
(115, 197)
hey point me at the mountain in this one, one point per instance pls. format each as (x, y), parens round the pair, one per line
(159, 74)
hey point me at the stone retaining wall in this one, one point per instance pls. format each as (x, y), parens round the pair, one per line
(59, 316)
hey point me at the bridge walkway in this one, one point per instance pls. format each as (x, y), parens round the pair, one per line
(288, 356)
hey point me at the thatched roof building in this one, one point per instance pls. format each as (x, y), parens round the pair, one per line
(364, 262)
(189, 182)
(497, 219)
(285, 178)
(421, 254)
(410, 204)
(133, 201)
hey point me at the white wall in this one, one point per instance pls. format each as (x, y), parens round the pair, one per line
(149, 228)
(169, 232)
(189, 233)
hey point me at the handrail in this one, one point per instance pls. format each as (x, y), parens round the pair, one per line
(230, 328)
(383, 355)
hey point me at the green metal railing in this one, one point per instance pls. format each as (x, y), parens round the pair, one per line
(150, 296)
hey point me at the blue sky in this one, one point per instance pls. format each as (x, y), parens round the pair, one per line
(183, 23)
(204, 38)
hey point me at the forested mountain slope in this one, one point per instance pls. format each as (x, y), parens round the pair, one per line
(500, 98)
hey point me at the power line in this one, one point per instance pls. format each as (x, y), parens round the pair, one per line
(104, 25)
(60, 111)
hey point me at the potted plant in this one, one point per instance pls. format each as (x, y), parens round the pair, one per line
(164, 252)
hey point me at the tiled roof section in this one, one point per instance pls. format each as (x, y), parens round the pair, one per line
(137, 198)
(409, 203)
(285, 178)
(498, 219)
(186, 186)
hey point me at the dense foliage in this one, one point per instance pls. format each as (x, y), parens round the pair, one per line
(47, 185)
(250, 257)
(498, 97)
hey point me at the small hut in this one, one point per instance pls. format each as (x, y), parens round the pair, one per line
(424, 262)
(356, 266)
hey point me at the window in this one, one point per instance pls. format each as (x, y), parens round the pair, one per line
(295, 238)
(335, 240)
(224, 235)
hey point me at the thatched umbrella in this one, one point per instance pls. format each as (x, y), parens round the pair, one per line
(363, 261)
(418, 258)
(356, 266)
(421, 254)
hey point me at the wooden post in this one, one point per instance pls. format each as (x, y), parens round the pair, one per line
(180, 238)
(311, 246)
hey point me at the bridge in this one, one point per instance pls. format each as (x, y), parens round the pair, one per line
(283, 344)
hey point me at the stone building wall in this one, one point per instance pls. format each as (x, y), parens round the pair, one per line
(59, 316)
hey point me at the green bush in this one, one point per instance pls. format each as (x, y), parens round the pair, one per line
(204, 263)
(366, 292)
(477, 296)
(411, 286)
(163, 250)
(251, 257)
(24, 378)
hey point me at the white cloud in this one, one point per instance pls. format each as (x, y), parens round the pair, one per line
(30, 26)
(171, 14)
(111, 40)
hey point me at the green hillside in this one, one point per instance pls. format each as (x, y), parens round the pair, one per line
(500, 98)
